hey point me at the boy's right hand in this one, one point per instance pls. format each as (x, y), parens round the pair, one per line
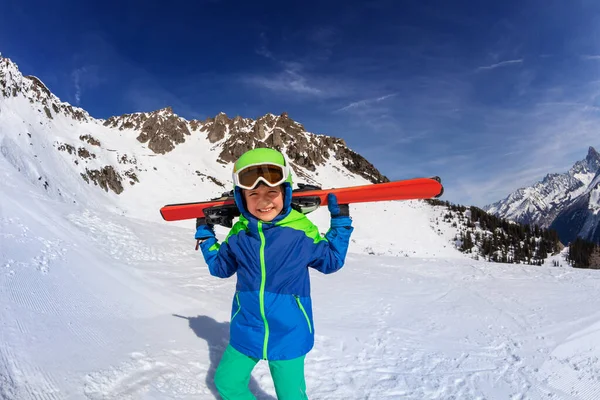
(203, 231)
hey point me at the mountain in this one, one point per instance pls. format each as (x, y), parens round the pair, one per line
(558, 198)
(163, 130)
(90, 141)
(580, 218)
(134, 164)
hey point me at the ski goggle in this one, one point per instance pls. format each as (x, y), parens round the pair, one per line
(271, 174)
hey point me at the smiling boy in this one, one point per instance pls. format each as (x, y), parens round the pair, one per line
(270, 249)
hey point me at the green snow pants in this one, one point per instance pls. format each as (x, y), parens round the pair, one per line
(233, 376)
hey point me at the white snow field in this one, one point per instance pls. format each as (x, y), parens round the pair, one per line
(94, 305)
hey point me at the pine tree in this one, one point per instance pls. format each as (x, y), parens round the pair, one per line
(580, 252)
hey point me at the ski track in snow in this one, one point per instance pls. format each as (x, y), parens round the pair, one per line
(147, 375)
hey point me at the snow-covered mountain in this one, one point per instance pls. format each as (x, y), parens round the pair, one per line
(121, 152)
(581, 217)
(134, 164)
(567, 202)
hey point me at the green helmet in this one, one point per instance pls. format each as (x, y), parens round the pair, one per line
(263, 156)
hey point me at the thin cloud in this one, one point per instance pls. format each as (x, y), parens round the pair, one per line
(84, 77)
(286, 81)
(591, 57)
(262, 50)
(365, 102)
(500, 64)
(448, 159)
(494, 187)
(76, 76)
(324, 35)
(580, 106)
(292, 77)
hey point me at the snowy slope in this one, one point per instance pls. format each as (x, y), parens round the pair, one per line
(100, 306)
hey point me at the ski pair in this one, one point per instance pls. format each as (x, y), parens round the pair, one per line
(307, 198)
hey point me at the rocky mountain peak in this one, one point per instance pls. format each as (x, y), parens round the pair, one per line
(550, 177)
(162, 130)
(10, 78)
(284, 122)
(306, 151)
(127, 121)
(166, 111)
(217, 127)
(14, 84)
(38, 87)
(593, 158)
(590, 164)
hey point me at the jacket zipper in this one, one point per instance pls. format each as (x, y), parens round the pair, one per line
(303, 312)
(263, 279)
(237, 297)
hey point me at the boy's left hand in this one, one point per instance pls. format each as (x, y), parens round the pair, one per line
(335, 209)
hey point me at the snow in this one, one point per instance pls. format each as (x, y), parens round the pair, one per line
(102, 299)
(585, 178)
(99, 306)
(594, 203)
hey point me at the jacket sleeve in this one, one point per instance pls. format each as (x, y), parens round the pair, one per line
(220, 259)
(329, 252)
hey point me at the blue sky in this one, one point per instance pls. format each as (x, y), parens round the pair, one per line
(491, 96)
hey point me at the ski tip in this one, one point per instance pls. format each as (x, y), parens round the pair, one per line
(439, 180)
(162, 215)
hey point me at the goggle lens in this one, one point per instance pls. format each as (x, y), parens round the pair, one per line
(271, 173)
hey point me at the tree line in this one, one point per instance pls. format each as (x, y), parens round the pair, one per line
(584, 254)
(497, 239)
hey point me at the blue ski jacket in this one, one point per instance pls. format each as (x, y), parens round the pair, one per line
(271, 313)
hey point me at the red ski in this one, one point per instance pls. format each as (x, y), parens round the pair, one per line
(221, 211)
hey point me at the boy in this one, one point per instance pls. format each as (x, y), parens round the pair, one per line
(270, 248)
